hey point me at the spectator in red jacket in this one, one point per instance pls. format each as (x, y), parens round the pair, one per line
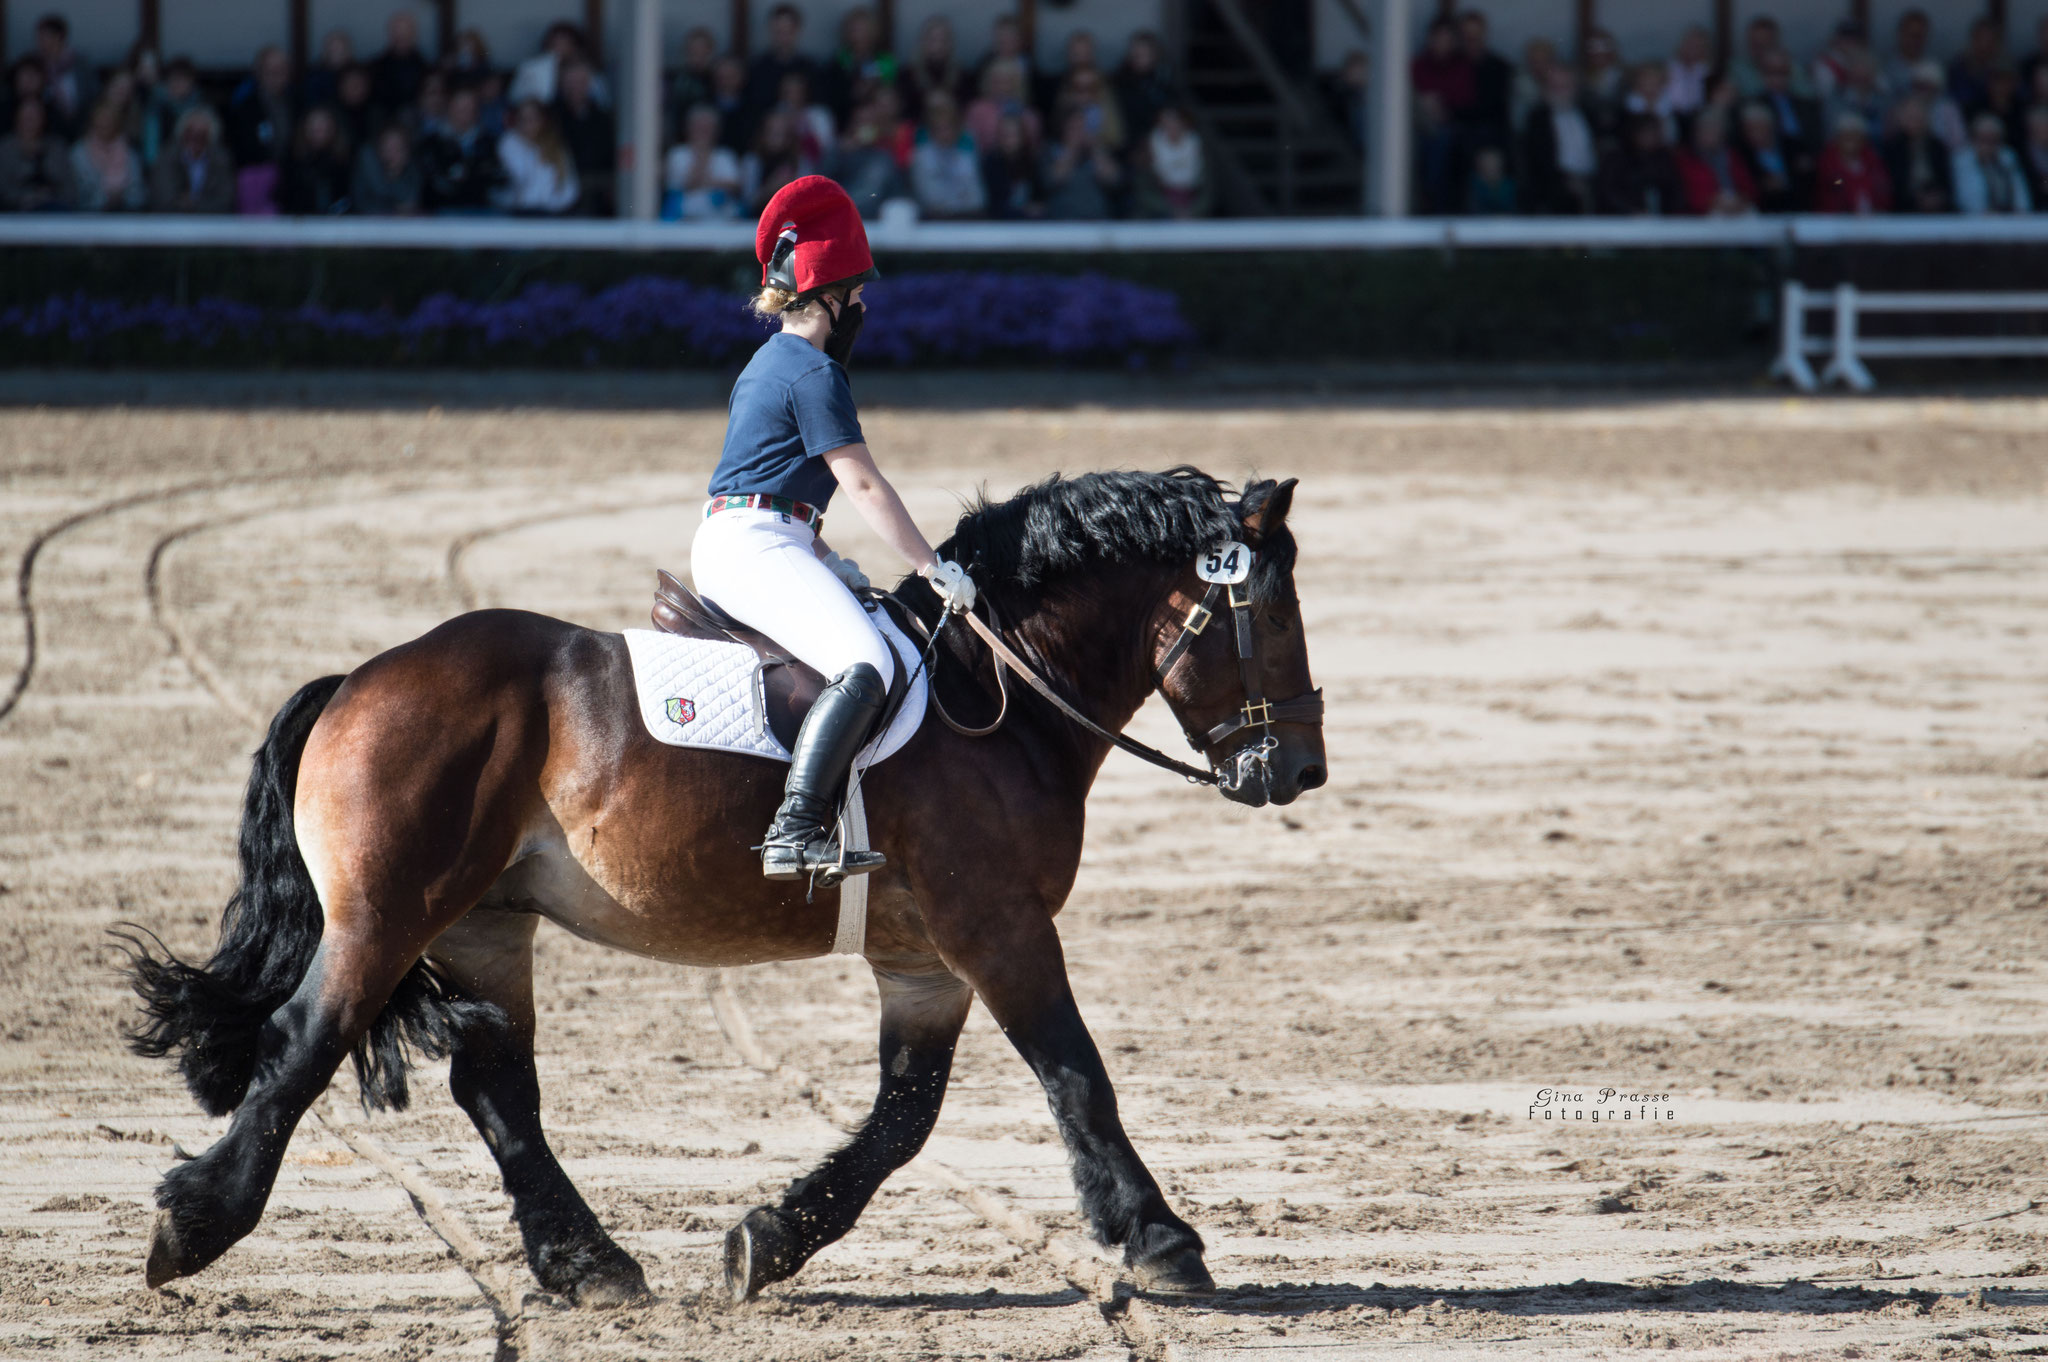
(1717, 183)
(1442, 77)
(1852, 177)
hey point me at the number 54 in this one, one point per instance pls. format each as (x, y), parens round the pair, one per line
(1228, 562)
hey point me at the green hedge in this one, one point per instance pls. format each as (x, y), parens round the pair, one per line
(1421, 306)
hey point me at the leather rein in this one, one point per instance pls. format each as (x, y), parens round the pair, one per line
(1256, 709)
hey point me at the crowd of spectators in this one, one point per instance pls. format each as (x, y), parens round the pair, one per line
(998, 138)
(1859, 127)
(393, 134)
(1855, 128)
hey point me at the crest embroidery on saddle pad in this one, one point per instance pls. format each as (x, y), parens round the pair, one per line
(701, 692)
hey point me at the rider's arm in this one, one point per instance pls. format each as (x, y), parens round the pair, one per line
(878, 504)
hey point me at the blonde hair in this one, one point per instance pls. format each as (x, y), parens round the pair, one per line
(773, 303)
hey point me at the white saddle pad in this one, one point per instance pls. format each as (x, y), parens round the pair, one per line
(707, 693)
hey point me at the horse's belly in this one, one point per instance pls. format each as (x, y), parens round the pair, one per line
(673, 902)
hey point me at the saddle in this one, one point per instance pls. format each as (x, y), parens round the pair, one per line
(788, 687)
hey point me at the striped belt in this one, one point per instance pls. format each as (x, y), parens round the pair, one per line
(760, 501)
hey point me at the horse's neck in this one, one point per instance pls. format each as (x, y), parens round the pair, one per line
(1095, 642)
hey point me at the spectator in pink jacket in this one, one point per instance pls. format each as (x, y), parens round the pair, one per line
(1004, 94)
(1851, 177)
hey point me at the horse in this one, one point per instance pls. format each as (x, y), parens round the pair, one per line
(406, 828)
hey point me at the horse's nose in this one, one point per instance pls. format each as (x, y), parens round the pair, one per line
(1311, 777)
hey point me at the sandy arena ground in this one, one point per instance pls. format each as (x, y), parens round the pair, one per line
(1682, 748)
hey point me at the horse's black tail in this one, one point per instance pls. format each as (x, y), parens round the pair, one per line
(269, 931)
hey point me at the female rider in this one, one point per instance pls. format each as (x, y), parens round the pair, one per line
(792, 439)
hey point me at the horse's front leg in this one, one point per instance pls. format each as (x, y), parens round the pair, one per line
(1021, 975)
(923, 1009)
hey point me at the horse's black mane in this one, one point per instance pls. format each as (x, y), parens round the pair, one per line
(1061, 528)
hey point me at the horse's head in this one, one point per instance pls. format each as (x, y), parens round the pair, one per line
(1233, 663)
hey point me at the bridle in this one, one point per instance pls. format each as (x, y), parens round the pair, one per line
(1255, 711)
(1306, 708)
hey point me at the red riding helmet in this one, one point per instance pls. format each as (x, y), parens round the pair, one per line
(811, 235)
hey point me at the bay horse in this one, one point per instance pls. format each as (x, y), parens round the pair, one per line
(407, 826)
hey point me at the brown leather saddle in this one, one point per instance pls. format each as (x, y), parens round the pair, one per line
(787, 687)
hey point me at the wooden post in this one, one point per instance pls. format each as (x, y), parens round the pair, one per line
(444, 27)
(593, 31)
(1859, 15)
(1724, 33)
(3, 36)
(885, 18)
(741, 38)
(301, 33)
(1027, 28)
(1584, 21)
(149, 24)
(1994, 10)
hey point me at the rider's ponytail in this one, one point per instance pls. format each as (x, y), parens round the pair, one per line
(775, 302)
(772, 302)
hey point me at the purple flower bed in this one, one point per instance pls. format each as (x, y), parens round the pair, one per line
(943, 317)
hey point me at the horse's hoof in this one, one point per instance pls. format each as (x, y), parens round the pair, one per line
(612, 1290)
(608, 1277)
(758, 1253)
(595, 1274)
(1178, 1274)
(164, 1253)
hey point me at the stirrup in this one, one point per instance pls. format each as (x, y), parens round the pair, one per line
(839, 866)
(817, 857)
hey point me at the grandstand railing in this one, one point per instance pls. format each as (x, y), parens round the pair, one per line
(1228, 234)
(1846, 347)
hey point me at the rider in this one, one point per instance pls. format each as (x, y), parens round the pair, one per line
(792, 439)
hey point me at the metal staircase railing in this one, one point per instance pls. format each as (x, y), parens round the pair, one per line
(1303, 131)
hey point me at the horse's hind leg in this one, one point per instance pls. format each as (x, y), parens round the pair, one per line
(489, 955)
(211, 1202)
(923, 1009)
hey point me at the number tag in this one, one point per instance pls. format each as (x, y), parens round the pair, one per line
(1228, 562)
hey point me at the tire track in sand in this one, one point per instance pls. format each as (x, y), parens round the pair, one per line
(25, 573)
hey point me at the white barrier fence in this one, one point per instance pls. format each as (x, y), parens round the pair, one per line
(1846, 347)
(1229, 234)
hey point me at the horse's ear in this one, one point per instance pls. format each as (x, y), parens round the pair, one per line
(1267, 513)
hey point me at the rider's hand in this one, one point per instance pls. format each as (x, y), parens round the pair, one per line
(954, 586)
(847, 571)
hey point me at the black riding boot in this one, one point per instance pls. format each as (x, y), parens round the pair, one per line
(802, 839)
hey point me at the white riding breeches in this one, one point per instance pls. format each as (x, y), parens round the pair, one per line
(761, 568)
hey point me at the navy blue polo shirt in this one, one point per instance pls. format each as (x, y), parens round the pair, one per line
(791, 406)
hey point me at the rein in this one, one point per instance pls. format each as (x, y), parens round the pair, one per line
(1256, 710)
(1006, 657)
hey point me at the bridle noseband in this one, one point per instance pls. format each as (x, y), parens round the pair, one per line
(1255, 711)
